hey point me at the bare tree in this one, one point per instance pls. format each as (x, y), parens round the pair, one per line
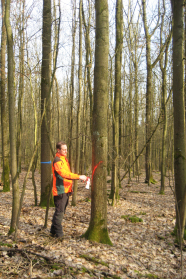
(45, 100)
(163, 67)
(117, 100)
(97, 230)
(4, 109)
(71, 101)
(21, 83)
(12, 126)
(77, 163)
(179, 116)
(88, 57)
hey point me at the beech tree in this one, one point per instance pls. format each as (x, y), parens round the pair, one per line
(97, 230)
(21, 83)
(117, 99)
(12, 126)
(179, 116)
(163, 67)
(77, 163)
(87, 26)
(71, 107)
(4, 110)
(45, 101)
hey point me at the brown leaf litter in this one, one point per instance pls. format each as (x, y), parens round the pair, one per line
(140, 250)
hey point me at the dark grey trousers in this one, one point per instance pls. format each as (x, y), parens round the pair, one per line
(61, 202)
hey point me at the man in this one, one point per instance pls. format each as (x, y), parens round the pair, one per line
(62, 187)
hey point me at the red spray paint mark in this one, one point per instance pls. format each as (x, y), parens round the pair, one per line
(96, 168)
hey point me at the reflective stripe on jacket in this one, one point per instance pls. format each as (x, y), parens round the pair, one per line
(62, 175)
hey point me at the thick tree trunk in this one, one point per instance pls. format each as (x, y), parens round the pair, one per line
(179, 116)
(12, 131)
(97, 230)
(45, 100)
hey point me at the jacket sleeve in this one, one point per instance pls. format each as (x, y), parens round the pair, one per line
(58, 167)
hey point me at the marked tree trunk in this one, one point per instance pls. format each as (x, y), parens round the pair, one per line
(79, 107)
(4, 109)
(45, 100)
(117, 99)
(179, 116)
(12, 122)
(97, 230)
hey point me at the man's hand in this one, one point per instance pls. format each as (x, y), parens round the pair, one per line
(83, 177)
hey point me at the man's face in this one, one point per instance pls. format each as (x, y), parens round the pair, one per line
(63, 150)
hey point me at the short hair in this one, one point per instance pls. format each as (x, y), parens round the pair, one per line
(59, 144)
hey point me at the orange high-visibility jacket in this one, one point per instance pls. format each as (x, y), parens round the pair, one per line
(62, 175)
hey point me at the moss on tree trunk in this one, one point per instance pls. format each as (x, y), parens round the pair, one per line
(5, 177)
(98, 233)
(44, 197)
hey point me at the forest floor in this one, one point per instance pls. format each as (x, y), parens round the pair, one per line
(144, 249)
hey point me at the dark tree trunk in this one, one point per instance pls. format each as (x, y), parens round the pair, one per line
(179, 116)
(45, 102)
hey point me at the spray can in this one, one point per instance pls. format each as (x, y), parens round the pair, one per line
(87, 183)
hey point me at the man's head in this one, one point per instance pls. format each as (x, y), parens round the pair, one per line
(61, 148)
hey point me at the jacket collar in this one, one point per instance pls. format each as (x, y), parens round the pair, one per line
(59, 155)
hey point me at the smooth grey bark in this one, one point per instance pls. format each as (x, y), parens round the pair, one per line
(71, 110)
(79, 107)
(97, 230)
(88, 57)
(117, 100)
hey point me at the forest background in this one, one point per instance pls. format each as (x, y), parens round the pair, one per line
(50, 80)
(26, 19)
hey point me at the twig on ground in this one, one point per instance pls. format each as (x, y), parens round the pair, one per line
(24, 251)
